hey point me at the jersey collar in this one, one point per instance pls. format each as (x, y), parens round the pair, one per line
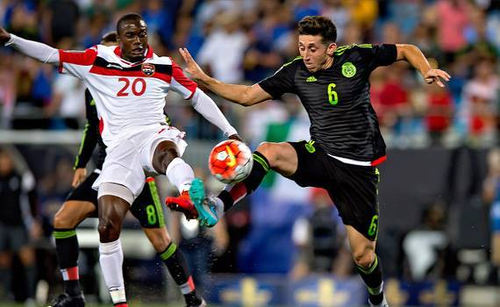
(148, 55)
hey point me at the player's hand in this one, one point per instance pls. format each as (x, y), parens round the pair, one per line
(436, 76)
(192, 68)
(4, 36)
(79, 176)
(235, 137)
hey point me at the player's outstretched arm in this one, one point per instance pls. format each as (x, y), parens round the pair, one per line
(241, 94)
(413, 55)
(41, 52)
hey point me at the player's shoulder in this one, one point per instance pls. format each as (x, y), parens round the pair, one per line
(163, 60)
(353, 49)
(291, 65)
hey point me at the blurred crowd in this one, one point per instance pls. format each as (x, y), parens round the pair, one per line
(243, 41)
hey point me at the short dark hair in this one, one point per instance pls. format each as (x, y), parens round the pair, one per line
(110, 37)
(318, 25)
(125, 18)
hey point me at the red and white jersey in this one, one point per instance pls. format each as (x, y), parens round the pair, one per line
(129, 96)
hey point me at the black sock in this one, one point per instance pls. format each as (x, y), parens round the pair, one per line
(177, 266)
(372, 277)
(250, 184)
(67, 255)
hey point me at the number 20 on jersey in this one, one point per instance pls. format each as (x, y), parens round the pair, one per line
(137, 87)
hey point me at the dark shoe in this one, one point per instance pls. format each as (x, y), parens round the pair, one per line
(64, 300)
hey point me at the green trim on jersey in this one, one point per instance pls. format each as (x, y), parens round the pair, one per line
(157, 203)
(295, 59)
(63, 234)
(341, 49)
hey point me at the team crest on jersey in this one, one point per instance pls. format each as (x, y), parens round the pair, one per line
(148, 69)
(348, 70)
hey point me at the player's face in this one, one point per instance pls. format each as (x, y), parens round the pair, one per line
(314, 52)
(133, 40)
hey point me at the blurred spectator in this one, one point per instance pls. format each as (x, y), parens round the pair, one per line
(426, 247)
(321, 240)
(18, 223)
(226, 66)
(337, 12)
(7, 89)
(439, 112)
(480, 104)
(364, 13)
(67, 101)
(61, 18)
(491, 197)
(452, 20)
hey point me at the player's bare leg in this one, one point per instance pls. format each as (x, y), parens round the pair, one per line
(175, 262)
(66, 219)
(166, 160)
(280, 157)
(112, 211)
(367, 265)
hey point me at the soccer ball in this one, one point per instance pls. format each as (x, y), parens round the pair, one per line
(230, 161)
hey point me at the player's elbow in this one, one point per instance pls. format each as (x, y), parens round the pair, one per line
(405, 50)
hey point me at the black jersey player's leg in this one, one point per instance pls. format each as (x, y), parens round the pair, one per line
(367, 264)
(280, 157)
(66, 219)
(148, 210)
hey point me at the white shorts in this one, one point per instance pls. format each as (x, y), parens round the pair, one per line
(132, 153)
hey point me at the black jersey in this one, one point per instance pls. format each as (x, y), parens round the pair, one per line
(91, 136)
(337, 100)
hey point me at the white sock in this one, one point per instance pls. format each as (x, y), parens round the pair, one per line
(111, 261)
(180, 174)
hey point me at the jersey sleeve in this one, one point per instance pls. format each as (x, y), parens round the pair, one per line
(379, 55)
(89, 138)
(77, 63)
(281, 82)
(182, 84)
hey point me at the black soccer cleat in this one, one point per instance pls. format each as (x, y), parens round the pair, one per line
(64, 300)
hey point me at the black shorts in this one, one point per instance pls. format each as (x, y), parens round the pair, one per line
(147, 208)
(353, 188)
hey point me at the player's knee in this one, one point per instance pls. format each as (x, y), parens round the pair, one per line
(270, 151)
(63, 221)
(364, 256)
(109, 230)
(164, 154)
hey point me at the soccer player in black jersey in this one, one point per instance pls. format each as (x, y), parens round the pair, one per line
(346, 144)
(82, 203)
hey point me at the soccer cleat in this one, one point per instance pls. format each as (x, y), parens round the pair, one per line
(202, 304)
(207, 214)
(382, 304)
(64, 300)
(183, 204)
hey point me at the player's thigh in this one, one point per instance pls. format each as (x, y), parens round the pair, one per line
(73, 212)
(310, 165)
(122, 167)
(354, 190)
(147, 208)
(282, 157)
(161, 147)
